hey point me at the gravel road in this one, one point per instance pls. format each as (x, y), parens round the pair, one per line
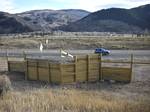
(36, 52)
(139, 86)
(54, 55)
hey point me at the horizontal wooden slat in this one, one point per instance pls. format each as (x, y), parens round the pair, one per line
(94, 67)
(32, 63)
(55, 78)
(32, 73)
(93, 73)
(81, 69)
(67, 79)
(94, 55)
(115, 69)
(94, 62)
(55, 66)
(81, 76)
(81, 72)
(3, 65)
(67, 65)
(113, 61)
(17, 66)
(82, 62)
(15, 59)
(43, 74)
(141, 62)
(3, 58)
(67, 74)
(80, 57)
(43, 64)
(52, 72)
(68, 68)
(119, 74)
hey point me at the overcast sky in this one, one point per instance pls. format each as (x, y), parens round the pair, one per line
(16, 6)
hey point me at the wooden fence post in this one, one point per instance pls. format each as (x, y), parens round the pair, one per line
(49, 72)
(100, 67)
(60, 67)
(26, 71)
(26, 65)
(88, 61)
(131, 67)
(7, 55)
(24, 55)
(8, 65)
(75, 65)
(37, 65)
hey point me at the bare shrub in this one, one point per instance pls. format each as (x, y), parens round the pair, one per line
(5, 84)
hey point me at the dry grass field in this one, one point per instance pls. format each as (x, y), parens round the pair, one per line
(33, 96)
(78, 42)
(49, 100)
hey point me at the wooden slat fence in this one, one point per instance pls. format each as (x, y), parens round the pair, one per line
(3, 64)
(84, 68)
(16, 66)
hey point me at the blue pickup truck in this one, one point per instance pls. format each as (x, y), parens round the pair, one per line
(102, 51)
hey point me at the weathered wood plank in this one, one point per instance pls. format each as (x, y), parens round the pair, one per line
(68, 69)
(32, 63)
(68, 79)
(67, 73)
(118, 74)
(43, 74)
(32, 73)
(43, 64)
(17, 66)
(55, 66)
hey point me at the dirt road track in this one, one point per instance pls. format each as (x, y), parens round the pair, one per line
(114, 53)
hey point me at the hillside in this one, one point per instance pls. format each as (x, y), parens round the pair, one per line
(49, 19)
(38, 20)
(133, 20)
(12, 24)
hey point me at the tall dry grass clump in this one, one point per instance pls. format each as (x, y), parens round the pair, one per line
(70, 101)
(5, 84)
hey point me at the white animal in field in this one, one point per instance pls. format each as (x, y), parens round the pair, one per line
(41, 47)
(65, 54)
(46, 41)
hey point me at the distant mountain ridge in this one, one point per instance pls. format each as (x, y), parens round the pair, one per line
(12, 24)
(49, 19)
(114, 20)
(38, 20)
(135, 20)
